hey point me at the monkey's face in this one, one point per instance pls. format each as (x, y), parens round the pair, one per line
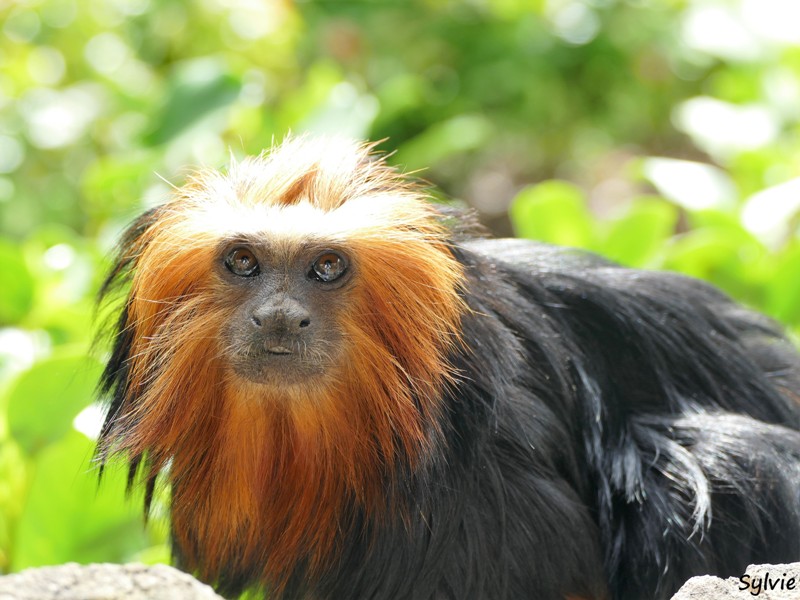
(309, 275)
(286, 305)
(312, 282)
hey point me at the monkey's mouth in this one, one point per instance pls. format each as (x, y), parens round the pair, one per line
(276, 363)
(279, 350)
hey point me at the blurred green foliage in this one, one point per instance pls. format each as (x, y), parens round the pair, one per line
(662, 133)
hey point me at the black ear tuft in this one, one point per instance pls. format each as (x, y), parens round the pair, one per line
(113, 385)
(125, 254)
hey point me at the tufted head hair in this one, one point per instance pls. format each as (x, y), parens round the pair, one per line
(331, 438)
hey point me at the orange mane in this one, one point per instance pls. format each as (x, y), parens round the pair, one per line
(266, 476)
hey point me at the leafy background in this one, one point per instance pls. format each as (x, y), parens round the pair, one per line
(662, 133)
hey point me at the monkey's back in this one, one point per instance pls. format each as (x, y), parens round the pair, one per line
(680, 406)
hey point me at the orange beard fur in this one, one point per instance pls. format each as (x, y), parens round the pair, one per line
(269, 476)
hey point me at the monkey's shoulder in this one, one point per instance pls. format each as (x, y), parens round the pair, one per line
(537, 268)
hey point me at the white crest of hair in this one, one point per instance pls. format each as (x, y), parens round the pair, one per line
(305, 187)
(337, 168)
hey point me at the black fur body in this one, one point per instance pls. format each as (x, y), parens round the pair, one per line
(612, 433)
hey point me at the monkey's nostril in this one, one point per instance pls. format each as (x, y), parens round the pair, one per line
(305, 322)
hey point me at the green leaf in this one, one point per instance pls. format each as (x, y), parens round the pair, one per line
(18, 284)
(346, 112)
(553, 211)
(442, 140)
(113, 185)
(724, 254)
(67, 518)
(199, 87)
(783, 292)
(13, 494)
(45, 398)
(638, 236)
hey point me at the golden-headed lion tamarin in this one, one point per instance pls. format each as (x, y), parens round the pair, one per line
(353, 394)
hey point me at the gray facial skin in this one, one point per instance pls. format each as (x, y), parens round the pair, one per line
(286, 304)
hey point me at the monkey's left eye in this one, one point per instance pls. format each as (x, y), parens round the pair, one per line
(242, 262)
(328, 267)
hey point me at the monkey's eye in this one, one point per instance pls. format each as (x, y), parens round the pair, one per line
(328, 267)
(242, 262)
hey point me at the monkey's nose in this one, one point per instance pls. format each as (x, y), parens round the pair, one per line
(286, 318)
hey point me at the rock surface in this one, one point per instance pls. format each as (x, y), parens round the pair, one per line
(763, 582)
(160, 582)
(104, 582)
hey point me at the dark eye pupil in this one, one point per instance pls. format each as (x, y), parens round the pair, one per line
(328, 267)
(242, 262)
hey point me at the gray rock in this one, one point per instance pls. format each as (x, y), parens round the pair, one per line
(104, 582)
(766, 582)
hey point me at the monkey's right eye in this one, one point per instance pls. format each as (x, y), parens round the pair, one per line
(242, 262)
